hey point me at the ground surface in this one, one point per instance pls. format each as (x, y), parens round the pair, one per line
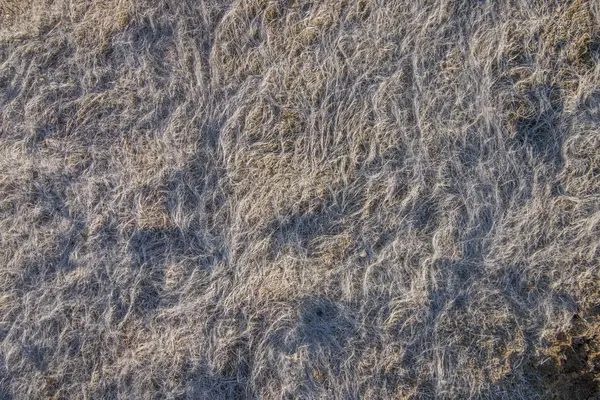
(293, 199)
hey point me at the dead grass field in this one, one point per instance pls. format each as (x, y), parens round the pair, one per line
(293, 199)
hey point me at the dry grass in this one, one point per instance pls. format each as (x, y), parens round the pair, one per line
(295, 199)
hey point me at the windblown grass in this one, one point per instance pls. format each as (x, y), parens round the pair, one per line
(295, 199)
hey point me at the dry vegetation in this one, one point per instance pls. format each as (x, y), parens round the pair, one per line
(286, 199)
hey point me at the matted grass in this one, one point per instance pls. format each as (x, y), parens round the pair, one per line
(299, 199)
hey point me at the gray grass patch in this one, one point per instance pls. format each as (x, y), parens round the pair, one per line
(294, 199)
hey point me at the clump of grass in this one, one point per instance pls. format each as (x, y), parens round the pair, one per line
(97, 22)
(571, 31)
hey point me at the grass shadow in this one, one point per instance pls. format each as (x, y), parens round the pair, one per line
(539, 130)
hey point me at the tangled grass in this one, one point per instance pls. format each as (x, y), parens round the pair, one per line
(299, 199)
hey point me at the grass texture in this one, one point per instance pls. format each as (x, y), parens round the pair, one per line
(293, 199)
